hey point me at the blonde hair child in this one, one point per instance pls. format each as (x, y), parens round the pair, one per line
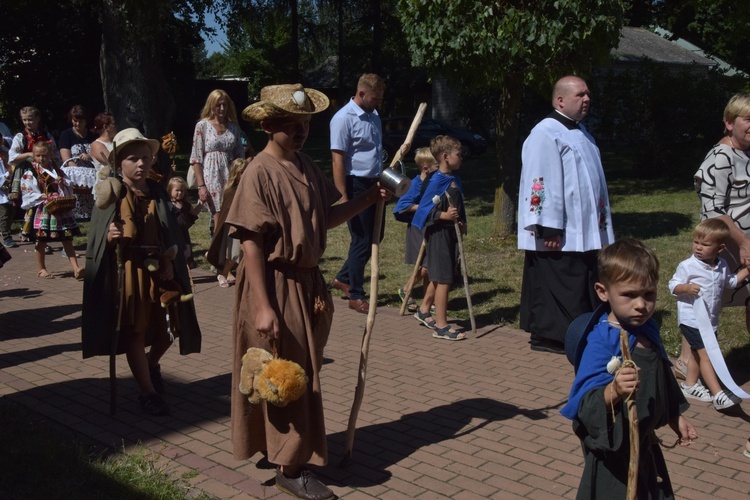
(404, 212)
(184, 212)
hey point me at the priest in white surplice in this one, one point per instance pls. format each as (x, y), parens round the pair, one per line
(563, 218)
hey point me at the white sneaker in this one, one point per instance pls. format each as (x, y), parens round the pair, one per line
(696, 391)
(722, 402)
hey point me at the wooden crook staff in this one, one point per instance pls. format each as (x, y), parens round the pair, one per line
(374, 275)
(627, 361)
(464, 270)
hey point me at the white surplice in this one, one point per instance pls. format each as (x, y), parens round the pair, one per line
(563, 187)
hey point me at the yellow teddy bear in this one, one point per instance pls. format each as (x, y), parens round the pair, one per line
(277, 381)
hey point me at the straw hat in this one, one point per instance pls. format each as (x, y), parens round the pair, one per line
(128, 135)
(280, 101)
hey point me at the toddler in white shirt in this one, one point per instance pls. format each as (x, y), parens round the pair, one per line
(703, 278)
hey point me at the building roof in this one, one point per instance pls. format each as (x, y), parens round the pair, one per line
(637, 44)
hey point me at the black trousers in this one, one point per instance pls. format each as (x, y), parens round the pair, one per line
(557, 288)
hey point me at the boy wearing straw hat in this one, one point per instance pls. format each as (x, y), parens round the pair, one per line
(129, 225)
(281, 212)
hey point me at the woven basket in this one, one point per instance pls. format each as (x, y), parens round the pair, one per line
(59, 205)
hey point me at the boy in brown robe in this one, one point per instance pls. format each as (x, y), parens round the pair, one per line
(281, 212)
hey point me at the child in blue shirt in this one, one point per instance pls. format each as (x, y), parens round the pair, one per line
(439, 209)
(404, 212)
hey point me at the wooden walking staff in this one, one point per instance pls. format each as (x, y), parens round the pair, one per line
(464, 271)
(115, 193)
(374, 275)
(627, 362)
(414, 274)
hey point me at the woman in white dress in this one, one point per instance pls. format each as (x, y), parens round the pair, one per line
(217, 142)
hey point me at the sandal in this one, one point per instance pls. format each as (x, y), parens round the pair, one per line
(45, 275)
(230, 278)
(223, 283)
(78, 273)
(447, 334)
(680, 369)
(423, 317)
(411, 304)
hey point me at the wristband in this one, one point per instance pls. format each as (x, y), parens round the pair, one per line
(201, 186)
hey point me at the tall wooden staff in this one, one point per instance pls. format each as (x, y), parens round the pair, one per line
(412, 281)
(118, 329)
(375, 272)
(464, 270)
(627, 361)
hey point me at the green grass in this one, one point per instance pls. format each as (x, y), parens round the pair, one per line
(41, 460)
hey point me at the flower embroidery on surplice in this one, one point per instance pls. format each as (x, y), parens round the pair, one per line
(602, 216)
(537, 195)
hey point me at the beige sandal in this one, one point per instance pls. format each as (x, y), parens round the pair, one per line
(43, 273)
(78, 273)
(223, 283)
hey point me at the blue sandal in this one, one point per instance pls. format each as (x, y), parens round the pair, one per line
(447, 334)
(423, 317)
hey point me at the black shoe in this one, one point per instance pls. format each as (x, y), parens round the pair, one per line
(154, 373)
(544, 345)
(153, 404)
(305, 486)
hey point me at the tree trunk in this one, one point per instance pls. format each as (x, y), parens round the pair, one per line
(134, 86)
(343, 90)
(506, 187)
(377, 37)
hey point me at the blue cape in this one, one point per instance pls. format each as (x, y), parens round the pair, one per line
(603, 343)
(412, 195)
(439, 183)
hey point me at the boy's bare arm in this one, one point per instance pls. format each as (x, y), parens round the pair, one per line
(254, 260)
(685, 431)
(344, 211)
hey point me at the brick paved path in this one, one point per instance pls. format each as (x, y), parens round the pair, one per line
(472, 419)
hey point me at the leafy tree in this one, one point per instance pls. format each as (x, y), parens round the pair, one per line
(143, 42)
(49, 59)
(133, 56)
(718, 26)
(503, 44)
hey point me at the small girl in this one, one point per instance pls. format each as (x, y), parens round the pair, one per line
(225, 252)
(20, 157)
(184, 212)
(37, 184)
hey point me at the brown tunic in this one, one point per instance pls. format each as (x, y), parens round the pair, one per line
(140, 230)
(290, 207)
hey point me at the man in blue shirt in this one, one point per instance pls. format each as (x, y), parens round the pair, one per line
(357, 151)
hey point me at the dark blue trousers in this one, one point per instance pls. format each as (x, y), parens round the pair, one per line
(360, 230)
